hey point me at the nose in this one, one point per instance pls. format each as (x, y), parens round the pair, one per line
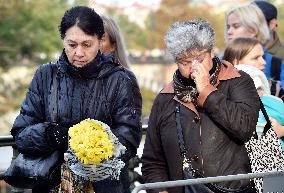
(79, 51)
(229, 31)
(262, 62)
(193, 66)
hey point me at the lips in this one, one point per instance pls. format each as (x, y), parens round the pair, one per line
(78, 61)
(230, 38)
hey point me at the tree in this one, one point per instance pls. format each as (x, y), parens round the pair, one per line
(135, 36)
(160, 20)
(171, 11)
(30, 28)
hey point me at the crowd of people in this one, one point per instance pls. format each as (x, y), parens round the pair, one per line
(199, 122)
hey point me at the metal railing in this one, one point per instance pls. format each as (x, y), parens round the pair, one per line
(168, 184)
(9, 141)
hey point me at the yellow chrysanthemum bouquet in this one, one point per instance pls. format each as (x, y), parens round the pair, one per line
(94, 151)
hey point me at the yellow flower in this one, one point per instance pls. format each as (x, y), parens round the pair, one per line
(90, 142)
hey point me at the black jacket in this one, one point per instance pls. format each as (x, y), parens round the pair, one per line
(102, 90)
(214, 132)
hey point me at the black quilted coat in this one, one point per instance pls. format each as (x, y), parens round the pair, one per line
(102, 90)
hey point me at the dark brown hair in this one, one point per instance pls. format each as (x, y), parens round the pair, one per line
(239, 48)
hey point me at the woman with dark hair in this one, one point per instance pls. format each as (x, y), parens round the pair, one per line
(89, 85)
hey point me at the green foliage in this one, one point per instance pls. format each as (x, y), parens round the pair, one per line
(135, 36)
(29, 28)
(160, 20)
(171, 11)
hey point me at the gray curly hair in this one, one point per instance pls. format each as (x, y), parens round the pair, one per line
(191, 35)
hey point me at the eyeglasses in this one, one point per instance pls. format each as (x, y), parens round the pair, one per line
(188, 59)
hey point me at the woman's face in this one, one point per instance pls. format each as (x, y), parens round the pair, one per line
(80, 47)
(106, 46)
(187, 63)
(235, 29)
(254, 58)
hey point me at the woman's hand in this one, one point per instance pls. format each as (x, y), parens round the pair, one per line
(200, 75)
(279, 129)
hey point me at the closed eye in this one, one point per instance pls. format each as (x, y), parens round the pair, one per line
(72, 45)
(86, 45)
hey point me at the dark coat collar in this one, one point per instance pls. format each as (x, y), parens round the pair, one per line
(100, 67)
(228, 71)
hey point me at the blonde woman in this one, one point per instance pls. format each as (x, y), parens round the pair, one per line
(248, 21)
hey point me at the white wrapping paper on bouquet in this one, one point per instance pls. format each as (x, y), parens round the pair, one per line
(107, 169)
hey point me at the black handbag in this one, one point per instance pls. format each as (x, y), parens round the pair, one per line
(28, 171)
(190, 173)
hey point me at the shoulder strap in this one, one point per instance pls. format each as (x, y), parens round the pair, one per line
(54, 94)
(268, 123)
(275, 68)
(179, 132)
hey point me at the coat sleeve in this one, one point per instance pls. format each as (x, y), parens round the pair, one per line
(29, 127)
(154, 167)
(236, 112)
(126, 114)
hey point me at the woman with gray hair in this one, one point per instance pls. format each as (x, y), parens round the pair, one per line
(200, 121)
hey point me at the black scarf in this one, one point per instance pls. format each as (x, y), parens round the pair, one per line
(185, 88)
(90, 70)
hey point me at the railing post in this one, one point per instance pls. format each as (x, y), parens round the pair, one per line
(15, 154)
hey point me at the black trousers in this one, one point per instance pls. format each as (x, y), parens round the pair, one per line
(41, 189)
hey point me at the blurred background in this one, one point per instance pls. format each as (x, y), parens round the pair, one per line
(29, 37)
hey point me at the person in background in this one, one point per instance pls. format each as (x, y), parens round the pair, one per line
(279, 129)
(90, 85)
(246, 54)
(248, 21)
(245, 51)
(113, 47)
(191, 103)
(113, 42)
(274, 45)
(269, 155)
